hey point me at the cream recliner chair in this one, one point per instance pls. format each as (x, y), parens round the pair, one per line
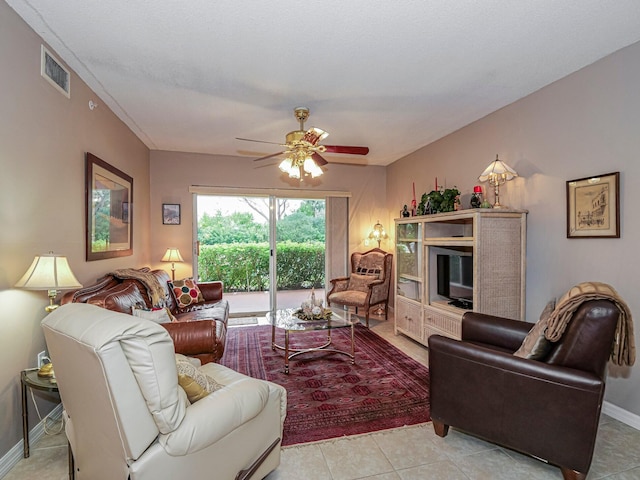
(127, 417)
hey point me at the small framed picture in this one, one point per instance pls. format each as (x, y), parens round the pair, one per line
(593, 207)
(171, 214)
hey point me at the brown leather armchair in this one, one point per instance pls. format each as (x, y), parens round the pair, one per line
(548, 409)
(368, 284)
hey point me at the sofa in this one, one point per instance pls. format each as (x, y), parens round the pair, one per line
(200, 329)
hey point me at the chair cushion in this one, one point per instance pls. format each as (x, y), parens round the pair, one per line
(360, 283)
(535, 346)
(349, 297)
(186, 292)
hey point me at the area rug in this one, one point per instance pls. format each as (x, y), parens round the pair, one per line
(327, 396)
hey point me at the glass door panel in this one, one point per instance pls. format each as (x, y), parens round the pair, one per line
(233, 236)
(408, 257)
(300, 250)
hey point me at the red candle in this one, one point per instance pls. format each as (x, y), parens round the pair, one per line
(436, 189)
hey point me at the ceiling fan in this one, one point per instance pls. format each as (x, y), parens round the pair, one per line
(303, 149)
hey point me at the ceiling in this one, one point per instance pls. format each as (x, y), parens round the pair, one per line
(193, 75)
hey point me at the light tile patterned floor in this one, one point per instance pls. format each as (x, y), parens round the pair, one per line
(408, 453)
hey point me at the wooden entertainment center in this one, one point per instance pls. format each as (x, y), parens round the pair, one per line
(496, 242)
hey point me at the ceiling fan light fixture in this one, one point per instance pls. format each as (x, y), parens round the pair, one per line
(312, 168)
(285, 165)
(294, 172)
(303, 149)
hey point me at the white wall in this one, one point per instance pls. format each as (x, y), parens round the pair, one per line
(583, 125)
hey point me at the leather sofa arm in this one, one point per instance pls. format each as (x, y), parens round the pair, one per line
(211, 291)
(491, 330)
(193, 338)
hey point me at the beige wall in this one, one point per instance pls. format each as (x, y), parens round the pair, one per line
(583, 125)
(43, 139)
(172, 173)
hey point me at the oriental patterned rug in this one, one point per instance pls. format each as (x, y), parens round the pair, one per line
(327, 396)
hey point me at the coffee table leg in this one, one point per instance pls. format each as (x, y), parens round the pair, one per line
(273, 337)
(286, 352)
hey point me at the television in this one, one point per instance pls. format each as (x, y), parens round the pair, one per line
(455, 278)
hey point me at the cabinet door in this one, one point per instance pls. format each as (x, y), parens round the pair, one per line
(409, 261)
(441, 322)
(409, 319)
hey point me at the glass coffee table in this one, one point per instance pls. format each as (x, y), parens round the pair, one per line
(286, 320)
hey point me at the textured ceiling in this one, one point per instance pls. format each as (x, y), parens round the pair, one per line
(391, 75)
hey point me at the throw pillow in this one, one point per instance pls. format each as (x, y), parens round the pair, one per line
(186, 292)
(535, 346)
(360, 282)
(196, 384)
(158, 315)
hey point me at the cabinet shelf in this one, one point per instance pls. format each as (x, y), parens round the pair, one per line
(449, 241)
(496, 239)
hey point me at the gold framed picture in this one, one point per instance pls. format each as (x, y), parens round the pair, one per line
(593, 207)
(109, 210)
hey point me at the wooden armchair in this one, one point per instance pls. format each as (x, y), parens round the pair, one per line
(368, 283)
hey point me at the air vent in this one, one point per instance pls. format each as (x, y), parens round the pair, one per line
(53, 71)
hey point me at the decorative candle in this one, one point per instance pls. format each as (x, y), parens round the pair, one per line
(436, 189)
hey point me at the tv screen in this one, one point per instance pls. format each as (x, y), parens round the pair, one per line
(455, 278)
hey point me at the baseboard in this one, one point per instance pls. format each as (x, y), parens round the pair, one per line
(13, 456)
(622, 415)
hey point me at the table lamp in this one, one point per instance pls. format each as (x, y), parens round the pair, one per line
(378, 233)
(172, 255)
(49, 272)
(497, 173)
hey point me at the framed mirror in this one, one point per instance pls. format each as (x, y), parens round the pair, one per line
(109, 205)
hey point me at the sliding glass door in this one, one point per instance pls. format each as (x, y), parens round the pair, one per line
(269, 251)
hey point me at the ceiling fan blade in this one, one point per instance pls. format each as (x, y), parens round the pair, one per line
(318, 159)
(346, 149)
(269, 156)
(257, 141)
(314, 135)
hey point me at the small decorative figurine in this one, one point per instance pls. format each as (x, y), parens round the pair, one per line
(476, 197)
(405, 212)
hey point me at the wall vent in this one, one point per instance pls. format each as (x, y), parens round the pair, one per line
(53, 71)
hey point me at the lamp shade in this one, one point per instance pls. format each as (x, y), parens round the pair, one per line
(172, 255)
(378, 233)
(497, 170)
(49, 272)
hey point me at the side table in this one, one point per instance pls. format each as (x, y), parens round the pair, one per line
(30, 379)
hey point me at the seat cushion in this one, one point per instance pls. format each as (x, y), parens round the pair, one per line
(349, 297)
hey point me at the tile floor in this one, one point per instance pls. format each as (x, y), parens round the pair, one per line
(406, 453)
